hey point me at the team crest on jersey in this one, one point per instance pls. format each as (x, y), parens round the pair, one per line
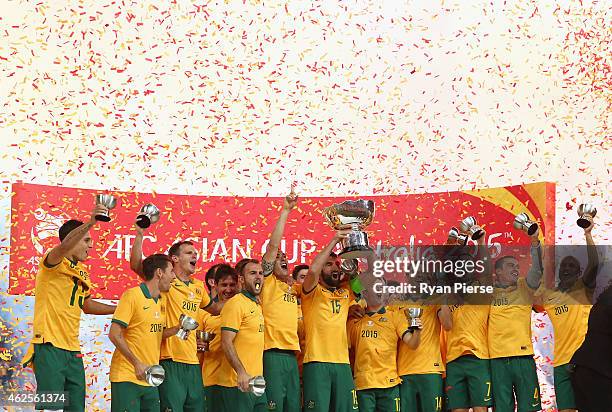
(370, 323)
(191, 295)
(156, 316)
(310, 405)
(271, 405)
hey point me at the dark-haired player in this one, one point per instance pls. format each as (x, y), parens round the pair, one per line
(63, 289)
(136, 331)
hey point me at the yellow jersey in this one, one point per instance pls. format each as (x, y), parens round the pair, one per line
(468, 335)
(280, 309)
(59, 295)
(214, 357)
(509, 332)
(143, 318)
(183, 298)
(243, 315)
(427, 358)
(569, 315)
(374, 338)
(325, 314)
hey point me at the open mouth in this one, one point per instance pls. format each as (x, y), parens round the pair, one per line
(284, 265)
(193, 263)
(335, 275)
(257, 286)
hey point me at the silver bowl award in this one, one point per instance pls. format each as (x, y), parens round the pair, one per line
(413, 314)
(358, 214)
(257, 385)
(522, 222)
(147, 215)
(586, 213)
(205, 336)
(106, 200)
(470, 228)
(155, 375)
(456, 238)
(187, 324)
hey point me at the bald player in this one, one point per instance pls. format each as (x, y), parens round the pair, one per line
(136, 331)
(568, 307)
(328, 381)
(182, 387)
(513, 368)
(63, 291)
(242, 340)
(280, 310)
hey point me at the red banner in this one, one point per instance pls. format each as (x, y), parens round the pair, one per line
(230, 228)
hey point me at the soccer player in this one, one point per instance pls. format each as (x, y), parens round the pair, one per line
(182, 387)
(468, 369)
(421, 369)
(242, 340)
(328, 381)
(226, 286)
(299, 273)
(374, 339)
(280, 310)
(513, 369)
(63, 290)
(136, 331)
(568, 307)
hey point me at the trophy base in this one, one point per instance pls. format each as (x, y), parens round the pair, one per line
(103, 218)
(143, 221)
(355, 252)
(583, 222)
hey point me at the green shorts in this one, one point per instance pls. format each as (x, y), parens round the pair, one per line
(424, 393)
(282, 381)
(564, 391)
(374, 400)
(58, 370)
(129, 397)
(224, 399)
(182, 387)
(515, 377)
(468, 382)
(329, 386)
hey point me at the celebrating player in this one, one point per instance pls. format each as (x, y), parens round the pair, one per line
(280, 310)
(63, 289)
(136, 331)
(328, 381)
(568, 307)
(513, 368)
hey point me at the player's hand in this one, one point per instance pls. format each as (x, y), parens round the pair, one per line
(356, 312)
(343, 232)
(587, 230)
(98, 210)
(139, 231)
(202, 345)
(243, 381)
(140, 369)
(290, 201)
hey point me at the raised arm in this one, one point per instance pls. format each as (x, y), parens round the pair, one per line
(312, 278)
(445, 317)
(269, 257)
(534, 276)
(57, 254)
(590, 273)
(115, 335)
(227, 343)
(136, 252)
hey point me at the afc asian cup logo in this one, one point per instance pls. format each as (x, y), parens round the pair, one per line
(46, 227)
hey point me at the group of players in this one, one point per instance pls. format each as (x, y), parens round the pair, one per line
(358, 351)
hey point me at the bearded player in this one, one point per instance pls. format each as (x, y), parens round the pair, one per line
(63, 291)
(328, 381)
(568, 307)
